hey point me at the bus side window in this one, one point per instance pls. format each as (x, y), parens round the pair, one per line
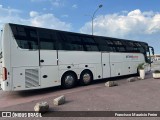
(121, 49)
(90, 44)
(69, 41)
(21, 31)
(113, 49)
(74, 41)
(102, 44)
(47, 40)
(26, 37)
(32, 39)
(129, 46)
(62, 42)
(120, 46)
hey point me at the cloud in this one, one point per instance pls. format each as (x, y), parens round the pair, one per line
(131, 24)
(8, 11)
(9, 15)
(75, 6)
(57, 3)
(33, 13)
(48, 21)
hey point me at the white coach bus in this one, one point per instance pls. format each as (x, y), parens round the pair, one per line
(35, 58)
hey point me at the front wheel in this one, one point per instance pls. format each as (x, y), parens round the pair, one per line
(86, 78)
(68, 80)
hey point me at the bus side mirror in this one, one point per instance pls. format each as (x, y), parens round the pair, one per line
(152, 51)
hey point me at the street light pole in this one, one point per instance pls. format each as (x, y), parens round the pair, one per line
(100, 6)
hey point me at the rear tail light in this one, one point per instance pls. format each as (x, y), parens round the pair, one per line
(4, 74)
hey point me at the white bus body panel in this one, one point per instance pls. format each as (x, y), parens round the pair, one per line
(116, 61)
(78, 57)
(26, 78)
(52, 78)
(22, 58)
(49, 69)
(6, 59)
(37, 80)
(49, 57)
(106, 65)
(125, 63)
(78, 60)
(1, 72)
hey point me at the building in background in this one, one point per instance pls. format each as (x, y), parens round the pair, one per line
(155, 57)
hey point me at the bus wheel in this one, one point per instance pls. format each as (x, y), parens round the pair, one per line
(86, 77)
(69, 80)
(137, 72)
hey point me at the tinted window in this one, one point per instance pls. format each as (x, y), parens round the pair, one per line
(1, 55)
(121, 49)
(129, 49)
(102, 44)
(145, 46)
(141, 49)
(29, 37)
(109, 42)
(21, 31)
(69, 41)
(47, 39)
(113, 49)
(26, 37)
(137, 44)
(136, 49)
(74, 42)
(116, 45)
(131, 44)
(90, 44)
(117, 42)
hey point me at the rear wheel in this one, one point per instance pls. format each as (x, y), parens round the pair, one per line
(69, 80)
(137, 72)
(86, 77)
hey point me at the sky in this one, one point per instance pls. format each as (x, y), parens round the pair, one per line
(127, 19)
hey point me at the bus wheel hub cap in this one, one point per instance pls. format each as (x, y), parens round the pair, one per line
(86, 78)
(69, 80)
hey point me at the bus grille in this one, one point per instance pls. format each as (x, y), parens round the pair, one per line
(31, 78)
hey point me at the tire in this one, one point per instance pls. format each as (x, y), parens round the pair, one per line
(137, 72)
(86, 78)
(69, 80)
